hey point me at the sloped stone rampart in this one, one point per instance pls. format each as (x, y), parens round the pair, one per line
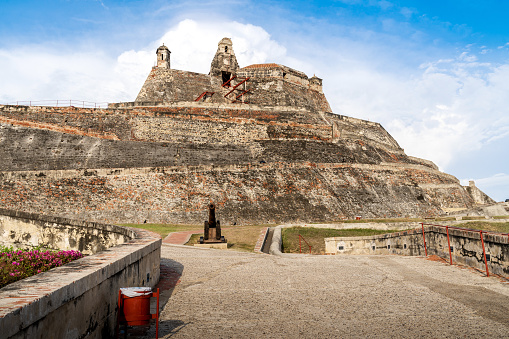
(466, 246)
(280, 192)
(26, 148)
(77, 300)
(261, 164)
(171, 86)
(224, 124)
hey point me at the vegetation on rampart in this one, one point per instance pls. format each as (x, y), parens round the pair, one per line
(240, 238)
(500, 227)
(20, 264)
(164, 229)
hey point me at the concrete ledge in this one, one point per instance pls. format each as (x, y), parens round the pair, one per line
(78, 300)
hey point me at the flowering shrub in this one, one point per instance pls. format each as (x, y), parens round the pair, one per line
(20, 264)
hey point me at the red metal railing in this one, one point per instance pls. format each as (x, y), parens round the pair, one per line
(227, 83)
(237, 85)
(60, 103)
(449, 241)
(300, 244)
(204, 94)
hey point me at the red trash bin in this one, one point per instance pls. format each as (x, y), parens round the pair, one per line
(134, 307)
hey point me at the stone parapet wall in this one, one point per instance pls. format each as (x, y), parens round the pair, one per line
(466, 246)
(77, 300)
(22, 230)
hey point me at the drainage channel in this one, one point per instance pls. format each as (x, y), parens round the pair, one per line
(268, 241)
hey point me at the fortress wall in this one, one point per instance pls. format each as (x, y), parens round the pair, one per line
(95, 122)
(31, 149)
(229, 124)
(25, 149)
(368, 131)
(171, 85)
(268, 193)
(423, 162)
(466, 246)
(278, 92)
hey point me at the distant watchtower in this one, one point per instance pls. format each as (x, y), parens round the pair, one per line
(163, 57)
(224, 64)
(315, 83)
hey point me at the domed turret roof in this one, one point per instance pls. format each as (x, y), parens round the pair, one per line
(162, 47)
(225, 41)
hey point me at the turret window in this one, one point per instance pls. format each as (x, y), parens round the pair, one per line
(226, 49)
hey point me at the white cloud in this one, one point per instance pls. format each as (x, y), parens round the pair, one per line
(50, 74)
(45, 74)
(193, 44)
(441, 112)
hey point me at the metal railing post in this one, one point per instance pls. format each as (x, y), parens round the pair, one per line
(484, 254)
(300, 247)
(449, 243)
(424, 238)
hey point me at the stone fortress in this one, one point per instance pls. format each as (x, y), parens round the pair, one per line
(261, 142)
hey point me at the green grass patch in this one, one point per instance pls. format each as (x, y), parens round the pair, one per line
(501, 217)
(164, 229)
(239, 238)
(502, 227)
(315, 237)
(473, 218)
(387, 220)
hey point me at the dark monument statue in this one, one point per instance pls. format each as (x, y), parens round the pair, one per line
(212, 229)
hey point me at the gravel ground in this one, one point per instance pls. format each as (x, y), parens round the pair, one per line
(227, 294)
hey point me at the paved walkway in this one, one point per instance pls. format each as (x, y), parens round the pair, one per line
(180, 238)
(227, 294)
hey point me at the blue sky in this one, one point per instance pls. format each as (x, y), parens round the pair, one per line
(433, 73)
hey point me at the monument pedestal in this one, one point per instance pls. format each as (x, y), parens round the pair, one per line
(218, 245)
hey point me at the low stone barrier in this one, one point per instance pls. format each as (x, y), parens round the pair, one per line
(466, 246)
(77, 300)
